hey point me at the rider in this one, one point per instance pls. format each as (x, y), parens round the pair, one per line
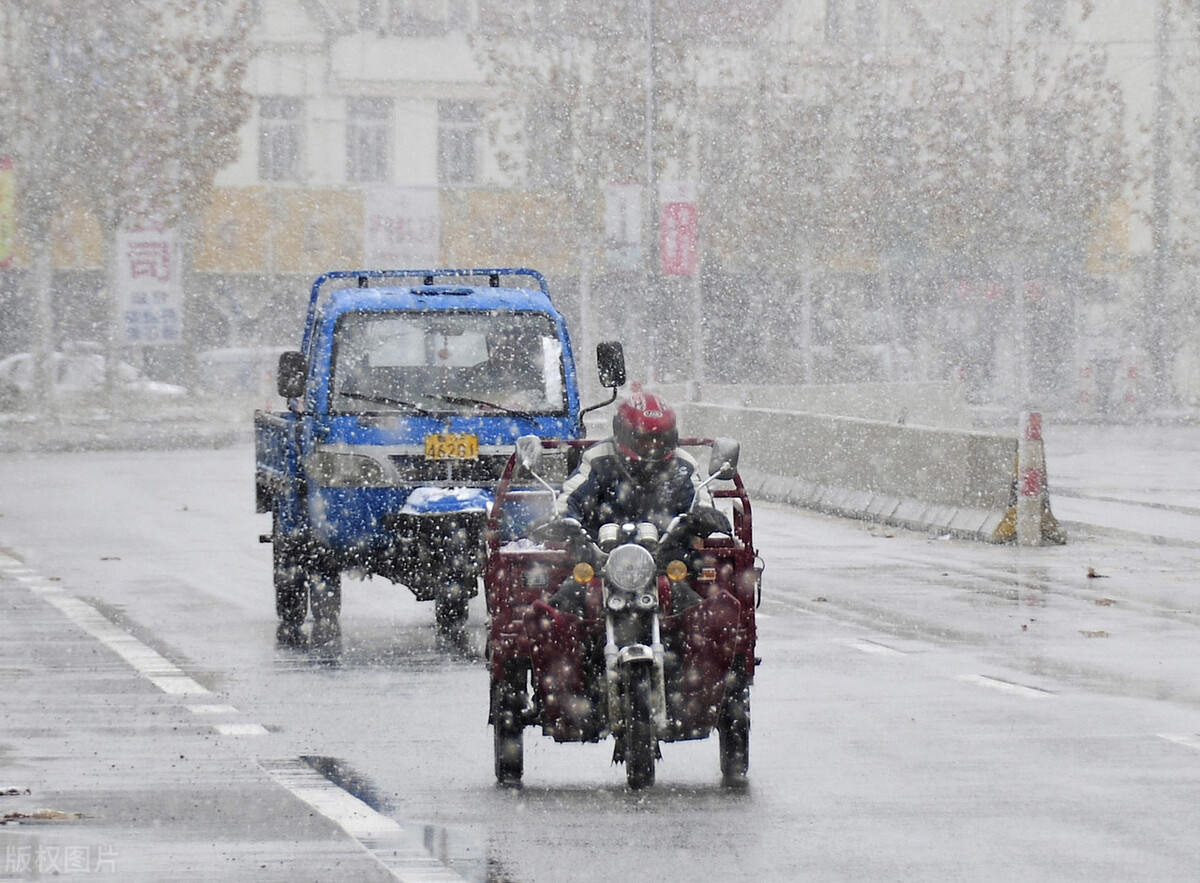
(639, 474)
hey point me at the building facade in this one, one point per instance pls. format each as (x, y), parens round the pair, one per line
(399, 133)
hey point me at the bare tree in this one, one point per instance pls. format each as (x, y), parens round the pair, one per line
(129, 107)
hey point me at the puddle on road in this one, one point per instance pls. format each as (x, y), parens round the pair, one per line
(463, 850)
(411, 648)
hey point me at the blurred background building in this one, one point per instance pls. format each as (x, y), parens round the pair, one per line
(765, 191)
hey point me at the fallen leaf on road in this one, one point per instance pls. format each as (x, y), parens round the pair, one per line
(41, 815)
(1105, 602)
(1093, 575)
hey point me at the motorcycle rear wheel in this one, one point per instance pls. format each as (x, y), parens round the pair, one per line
(733, 729)
(508, 742)
(640, 746)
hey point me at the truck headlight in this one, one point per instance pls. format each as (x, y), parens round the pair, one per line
(340, 469)
(629, 567)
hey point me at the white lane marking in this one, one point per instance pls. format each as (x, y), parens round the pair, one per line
(399, 851)
(878, 649)
(1192, 741)
(150, 664)
(1006, 686)
(241, 729)
(178, 686)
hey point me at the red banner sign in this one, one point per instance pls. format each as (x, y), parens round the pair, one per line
(677, 239)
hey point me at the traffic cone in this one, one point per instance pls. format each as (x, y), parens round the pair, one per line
(1036, 524)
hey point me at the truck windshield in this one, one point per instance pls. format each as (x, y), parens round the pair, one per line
(446, 362)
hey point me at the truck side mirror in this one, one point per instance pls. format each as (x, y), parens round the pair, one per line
(724, 460)
(610, 362)
(290, 378)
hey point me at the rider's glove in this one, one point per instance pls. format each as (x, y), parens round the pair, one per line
(706, 520)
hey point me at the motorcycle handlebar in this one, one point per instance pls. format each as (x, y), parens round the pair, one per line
(699, 523)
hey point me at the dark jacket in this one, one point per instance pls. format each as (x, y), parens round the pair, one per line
(602, 491)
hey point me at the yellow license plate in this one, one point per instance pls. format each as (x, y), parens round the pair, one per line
(452, 446)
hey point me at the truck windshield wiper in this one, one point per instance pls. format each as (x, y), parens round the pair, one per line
(467, 400)
(383, 400)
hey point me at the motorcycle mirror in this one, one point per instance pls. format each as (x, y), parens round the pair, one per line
(529, 453)
(723, 462)
(610, 363)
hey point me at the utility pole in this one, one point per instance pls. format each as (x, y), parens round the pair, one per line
(1155, 325)
(650, 199)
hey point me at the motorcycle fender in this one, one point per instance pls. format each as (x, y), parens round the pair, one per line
(634, 654)
(706, 639)
(558, 642)
(640, 655)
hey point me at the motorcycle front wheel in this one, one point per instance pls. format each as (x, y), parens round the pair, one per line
(640, 746)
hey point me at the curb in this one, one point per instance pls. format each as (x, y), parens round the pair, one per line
(45, 438)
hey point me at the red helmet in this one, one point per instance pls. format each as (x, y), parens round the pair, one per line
(644, 429)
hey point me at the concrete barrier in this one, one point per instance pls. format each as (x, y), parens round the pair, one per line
(956, 481)
(931, 403)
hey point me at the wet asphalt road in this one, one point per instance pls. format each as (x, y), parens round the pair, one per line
(927, 709)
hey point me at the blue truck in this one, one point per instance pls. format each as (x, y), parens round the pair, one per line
(404, 402)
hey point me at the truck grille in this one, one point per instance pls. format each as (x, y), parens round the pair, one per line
(486, 470)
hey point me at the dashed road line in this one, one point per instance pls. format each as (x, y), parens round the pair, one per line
(1191, 741)
(1007, 686)
(241, 729)
(397, 850)
(875, 648)
(147, 662)
(211, 709)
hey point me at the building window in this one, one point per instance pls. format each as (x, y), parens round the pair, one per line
(847, 20)
(867, 21)
(460, 127)
(368, 139)
(1046, 15)
(548, 143)
(370, 15)
(834, 23)
(417, 18)
(280, 138)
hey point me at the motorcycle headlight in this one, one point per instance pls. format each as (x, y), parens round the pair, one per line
(340, 469)
(629, 567)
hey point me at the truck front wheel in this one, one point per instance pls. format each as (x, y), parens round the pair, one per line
(291, 588)
(325, 596)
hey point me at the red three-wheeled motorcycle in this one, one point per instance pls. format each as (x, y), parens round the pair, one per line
(660, 644)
